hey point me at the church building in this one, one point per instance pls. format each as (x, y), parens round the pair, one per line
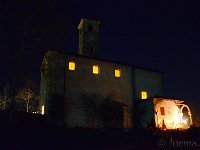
(83, 90)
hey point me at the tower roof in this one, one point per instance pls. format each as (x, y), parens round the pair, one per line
(87, 20)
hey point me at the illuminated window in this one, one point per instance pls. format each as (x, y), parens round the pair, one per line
(117, 73)
(96, 69)
(143, 95)
(42, 109)
(72, 65)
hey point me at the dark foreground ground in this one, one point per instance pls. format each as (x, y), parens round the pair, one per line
(30, 132)
(77, 138)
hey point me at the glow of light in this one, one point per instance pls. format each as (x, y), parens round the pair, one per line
(177, 118)
(72, 65)
(143, 95)
(173, 117)
(159, 121)
(117, 72)
(95, 69)
(42, 109)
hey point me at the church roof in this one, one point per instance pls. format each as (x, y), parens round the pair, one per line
(106, 60)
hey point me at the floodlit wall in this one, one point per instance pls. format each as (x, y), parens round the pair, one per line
(167, 113)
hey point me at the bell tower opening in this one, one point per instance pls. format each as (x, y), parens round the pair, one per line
(88, 37)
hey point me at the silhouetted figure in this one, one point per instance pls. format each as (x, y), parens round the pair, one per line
(163, 125)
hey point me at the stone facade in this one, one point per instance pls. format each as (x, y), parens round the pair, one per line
(147, 80)
(78, 97)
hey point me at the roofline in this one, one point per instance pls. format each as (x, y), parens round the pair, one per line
(110, 61)
(168, 98)
(81, 22)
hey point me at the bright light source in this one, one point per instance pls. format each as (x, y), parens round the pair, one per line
(117, 72)
(170, 115)
(143, 95)
(72, 65)
(42, 109)
(185, 121)
(96, 69)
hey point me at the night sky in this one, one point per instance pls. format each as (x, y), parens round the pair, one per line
(160, 35)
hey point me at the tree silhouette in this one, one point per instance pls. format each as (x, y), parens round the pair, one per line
(27, 96)
(4, 99)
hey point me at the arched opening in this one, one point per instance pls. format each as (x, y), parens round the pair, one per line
(186, 114)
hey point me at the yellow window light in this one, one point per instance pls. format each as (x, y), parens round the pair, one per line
(72, 65)
(117, 73)
(95, 69)
(144, 95)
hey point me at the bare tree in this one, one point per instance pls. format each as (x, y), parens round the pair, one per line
(4, 99)
(27, 96)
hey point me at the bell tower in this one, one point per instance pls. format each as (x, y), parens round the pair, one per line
(88, 37)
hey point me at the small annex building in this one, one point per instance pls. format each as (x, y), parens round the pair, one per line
(167, 113)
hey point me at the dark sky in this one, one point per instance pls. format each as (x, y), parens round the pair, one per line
(161, 35)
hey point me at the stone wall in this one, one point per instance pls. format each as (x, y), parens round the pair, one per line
(82, 85)
(147, 80)
(52, 87)
(79, 98)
